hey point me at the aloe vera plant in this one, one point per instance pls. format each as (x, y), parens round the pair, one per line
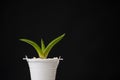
(43, 50)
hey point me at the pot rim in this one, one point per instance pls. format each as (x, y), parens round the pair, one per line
(40, 59)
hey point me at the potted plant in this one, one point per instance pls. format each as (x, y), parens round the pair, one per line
(43, 68)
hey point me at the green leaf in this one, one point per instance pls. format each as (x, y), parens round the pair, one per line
(37, 48)
(51, 44)
(42, 45)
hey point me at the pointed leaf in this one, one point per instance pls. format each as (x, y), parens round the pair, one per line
(51, 44)
(42, 45)
(37, 48)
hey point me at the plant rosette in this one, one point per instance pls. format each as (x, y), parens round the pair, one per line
(43, 68)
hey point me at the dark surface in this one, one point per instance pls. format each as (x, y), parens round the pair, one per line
(90, 48)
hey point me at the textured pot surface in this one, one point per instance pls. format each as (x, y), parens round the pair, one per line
(43, 69)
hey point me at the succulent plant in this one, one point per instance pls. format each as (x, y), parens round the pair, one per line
(43, 50)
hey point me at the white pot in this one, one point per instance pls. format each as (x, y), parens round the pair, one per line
(43, 69)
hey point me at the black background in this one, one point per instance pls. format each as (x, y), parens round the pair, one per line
(90, 48)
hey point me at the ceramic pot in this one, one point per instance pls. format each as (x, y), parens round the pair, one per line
(43, 69)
